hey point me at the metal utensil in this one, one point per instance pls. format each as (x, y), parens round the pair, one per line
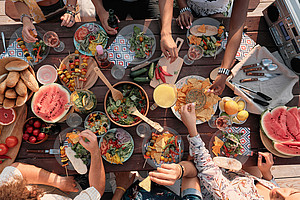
(258, 101)
(140, 66)
(262, 74)
(259, 79)
(262, 95)
(50, 151)
(270, 67)
(264, 62)
(3, 41)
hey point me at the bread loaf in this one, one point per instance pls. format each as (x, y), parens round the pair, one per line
(1, 98)
(12, 79)
(21, 88)
(29, 80)
(8, 103)
(11, 94)
(3, 87)
(21, 100)
(18, 65)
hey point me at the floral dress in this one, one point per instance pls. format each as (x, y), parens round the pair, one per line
(209, 7)
(216, 184)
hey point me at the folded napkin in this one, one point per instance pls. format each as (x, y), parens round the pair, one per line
(244, 140)
(13, 50)
(119, 52)
(247, 44)
(278, 88)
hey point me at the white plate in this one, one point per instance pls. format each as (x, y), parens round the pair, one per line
(179, 85)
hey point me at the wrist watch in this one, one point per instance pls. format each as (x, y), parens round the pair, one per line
(25, 15)
(224, 71)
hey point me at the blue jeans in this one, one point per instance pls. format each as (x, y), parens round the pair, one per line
(191, 194)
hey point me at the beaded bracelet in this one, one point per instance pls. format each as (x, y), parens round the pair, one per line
(25, 15)
(224, 71)
(182, 171)
(71, 13)
(182, 10)
(72, 6)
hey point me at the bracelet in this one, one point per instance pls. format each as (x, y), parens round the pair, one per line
(25, 15)
(121, 188)
(72, 6)
(182, 10)
(224, 71)
(182, 171)
(71, 13)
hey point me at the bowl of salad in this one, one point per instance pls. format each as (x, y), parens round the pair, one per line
(118, 111)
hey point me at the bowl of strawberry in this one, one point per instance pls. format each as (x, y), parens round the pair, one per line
(32, 131)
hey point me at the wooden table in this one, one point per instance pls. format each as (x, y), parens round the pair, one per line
(256, 29)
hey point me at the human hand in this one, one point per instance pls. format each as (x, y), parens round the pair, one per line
(123, 180)
(167, 174)
(265, 168)
(67, 184)
(92, 144)
(68, 20)
(218, 85)
(168, 47)
(188, 117)
(103, 18)
(29, 31)
(185, 20)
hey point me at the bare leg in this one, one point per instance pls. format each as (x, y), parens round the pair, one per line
(190, 183)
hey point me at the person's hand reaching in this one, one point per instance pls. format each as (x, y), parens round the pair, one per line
(123, 180)
(103, 18)
(265, 168)
(188, 117)
(29, 31)
(167, 174)
(67, 184)
(185, 19)
(168, 47)
(68, 20)
(92, 144)
(218, 85)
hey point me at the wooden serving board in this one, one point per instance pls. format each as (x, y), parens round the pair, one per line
(172, 68)
(90, 75)
(14, 129)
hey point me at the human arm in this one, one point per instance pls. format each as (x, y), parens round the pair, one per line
(28, 26)
(68, 19)
(167, 44)
(123, 181)
(185, 18)
(96, 173)
(265, 168)
(103, 15)
(36, 175)
(236, 26)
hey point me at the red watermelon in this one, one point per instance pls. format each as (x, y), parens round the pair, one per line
(288, 148)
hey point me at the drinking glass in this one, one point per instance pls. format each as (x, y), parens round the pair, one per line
(143, 130)
(118, 71)
(195, 52)
(51, 39)
(74, 120)
(222, 123)
(165, 95)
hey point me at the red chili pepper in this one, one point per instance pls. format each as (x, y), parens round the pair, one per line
(204, 42)
(164, 72)
(38, 57)
(143, 110)
(162, 77)
(157, 74)
(146, 157)
(5, 157)
(125, 116)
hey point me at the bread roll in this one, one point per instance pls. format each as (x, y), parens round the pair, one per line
(8, 103)
(18, 65)
(11, 94)
(3, 77)
(29, 80)
(12, 79)
(3, 87)
(1, 98)
(21, 100)
(21, 88)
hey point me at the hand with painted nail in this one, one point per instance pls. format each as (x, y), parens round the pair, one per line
(188, 117)
(29, 32)
(68, 20)
(265, 168)
(218, 85)
(185, 19)
(168, 47)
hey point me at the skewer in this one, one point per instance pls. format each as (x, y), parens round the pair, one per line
(145, 163)
(60, 141)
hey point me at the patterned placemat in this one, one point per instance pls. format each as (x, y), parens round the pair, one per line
(244, 140)
(13, 50)
(119, 52)
(245, 47)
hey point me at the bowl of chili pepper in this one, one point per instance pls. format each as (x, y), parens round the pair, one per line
(118, 111)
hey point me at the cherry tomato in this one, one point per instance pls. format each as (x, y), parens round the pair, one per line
(148, 153)
(3, 149)
(114, 111)
(141, 39)
(153, 138)
(162, 158)
(120, 109)
(11, 141)
(170, 159)
(166, 160)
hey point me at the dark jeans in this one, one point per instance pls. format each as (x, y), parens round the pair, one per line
(140, 9)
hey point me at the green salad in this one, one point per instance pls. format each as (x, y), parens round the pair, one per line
(141, 43)
(82, 153)
(232, 145)
(119, 110)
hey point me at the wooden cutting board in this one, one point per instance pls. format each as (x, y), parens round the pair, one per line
(14, 129)
(172, 68)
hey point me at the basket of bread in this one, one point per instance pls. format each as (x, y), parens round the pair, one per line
(17, 82)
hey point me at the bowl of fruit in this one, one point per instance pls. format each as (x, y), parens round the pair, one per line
(32, 131)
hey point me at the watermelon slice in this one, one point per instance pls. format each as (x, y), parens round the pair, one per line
(279, 115)
(288, 148)
(49, 103)
(272, 128)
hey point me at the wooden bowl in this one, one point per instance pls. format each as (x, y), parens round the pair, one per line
(121, 83)
(35, 118)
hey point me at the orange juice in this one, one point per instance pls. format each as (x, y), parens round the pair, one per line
(165, 95)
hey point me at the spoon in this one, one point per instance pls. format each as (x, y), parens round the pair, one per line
(116, 94)
(134, 111)
(266, 64)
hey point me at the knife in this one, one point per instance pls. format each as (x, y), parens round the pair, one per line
(50, 151)
(140, 66)
(258, 101)
(249, 66)
(260, 79)
(262, 74)
(262, 95)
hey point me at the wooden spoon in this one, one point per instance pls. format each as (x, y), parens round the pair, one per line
(134, 111)
(116, 94)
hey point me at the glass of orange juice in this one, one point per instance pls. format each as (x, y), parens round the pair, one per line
(165, 95)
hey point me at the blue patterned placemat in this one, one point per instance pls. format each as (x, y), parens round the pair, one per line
(119, 52)
(13, 50)
(247, 44)
(244, 140)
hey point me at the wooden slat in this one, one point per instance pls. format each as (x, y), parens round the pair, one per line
(289, 183)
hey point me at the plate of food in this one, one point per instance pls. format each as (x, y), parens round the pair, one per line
(69, 138)
(143, 44)
(97, 122)
(118, 111)
(191, 83)
(227, 144)
(88, 36)
(207, 33)
(166, 147)
(34, 52)
(116, 146)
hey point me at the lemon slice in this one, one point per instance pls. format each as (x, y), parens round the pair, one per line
(235, 120)
(221, 105)
(225, 99)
